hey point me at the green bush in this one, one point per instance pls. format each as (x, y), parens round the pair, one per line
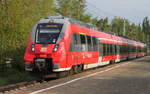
(16, 20)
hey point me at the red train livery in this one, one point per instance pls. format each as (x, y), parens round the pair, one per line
(59, 44)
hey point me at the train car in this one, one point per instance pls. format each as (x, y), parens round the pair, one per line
(60, 44)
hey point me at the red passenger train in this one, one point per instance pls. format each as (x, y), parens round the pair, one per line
(59, 44)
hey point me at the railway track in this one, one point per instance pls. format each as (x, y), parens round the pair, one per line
(27, 84)
(16, 86)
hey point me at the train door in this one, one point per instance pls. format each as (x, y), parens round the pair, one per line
(74, 49)
(91, 56)
(78, 50)
(96, 48)
(118, 53)
(101, 52)
(100, 49)
(113, 50)
(84, 49)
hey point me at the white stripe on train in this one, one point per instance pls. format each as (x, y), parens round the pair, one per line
(87, 66)
(115, 41)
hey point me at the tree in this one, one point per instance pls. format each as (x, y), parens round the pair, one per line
(73, 8)
(102, 24)
(16, 20)
(146, 25)
(146, 30)
(118, 25)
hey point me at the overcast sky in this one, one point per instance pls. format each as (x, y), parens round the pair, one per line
(134, 10)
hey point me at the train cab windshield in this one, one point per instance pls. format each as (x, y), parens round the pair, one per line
(48, 33)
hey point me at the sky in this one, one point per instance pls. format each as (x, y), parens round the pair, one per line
(134, 10)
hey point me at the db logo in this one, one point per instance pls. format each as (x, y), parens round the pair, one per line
(43, 50)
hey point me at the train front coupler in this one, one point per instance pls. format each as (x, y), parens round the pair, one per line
(40, 64)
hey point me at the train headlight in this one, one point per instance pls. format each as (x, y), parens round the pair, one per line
(32, 47)
(56, 47)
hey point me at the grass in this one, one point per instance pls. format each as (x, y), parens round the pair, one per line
(14, 75)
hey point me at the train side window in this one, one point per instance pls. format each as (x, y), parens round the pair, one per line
(104, 49)
(118, 49)
(135, 49)
(89, 43)
(78, 43)
(121, 49)
(95, 44)
(125, 51)
(141, 50)
(83, 43)
(107, 53)
(101, 51)
(74, 43)
(115, 47)
(110, 49)
(131, 49)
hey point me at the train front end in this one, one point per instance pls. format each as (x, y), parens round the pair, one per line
(46, 45)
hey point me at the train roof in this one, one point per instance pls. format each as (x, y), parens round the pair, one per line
(62, 19)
